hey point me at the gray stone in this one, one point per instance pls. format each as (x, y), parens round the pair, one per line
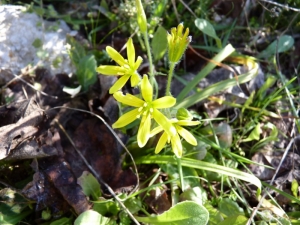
(19, 30)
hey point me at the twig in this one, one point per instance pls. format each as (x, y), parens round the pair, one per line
(285, 6)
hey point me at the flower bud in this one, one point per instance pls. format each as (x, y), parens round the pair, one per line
(141, 16)
(184, 114)
(177, 43)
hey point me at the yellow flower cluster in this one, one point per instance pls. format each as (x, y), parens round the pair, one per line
(146, 108)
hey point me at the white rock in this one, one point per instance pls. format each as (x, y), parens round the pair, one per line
(18, 30)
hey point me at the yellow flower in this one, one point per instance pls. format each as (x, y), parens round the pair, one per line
(126, 69)
(146, 110)
(177, 43)
(175, 140)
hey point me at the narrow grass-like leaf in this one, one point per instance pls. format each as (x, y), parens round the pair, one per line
(157, 159)
(206, 70)
(217, 87)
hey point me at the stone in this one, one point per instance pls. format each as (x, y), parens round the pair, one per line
(27, 39)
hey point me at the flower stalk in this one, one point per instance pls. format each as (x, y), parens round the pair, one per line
(142, 22)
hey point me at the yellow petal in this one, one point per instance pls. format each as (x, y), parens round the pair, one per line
(147, 90)
(161, 142)
(116, 56)
(134, 79)
(126, 119)
(156, 130)
(186, 33)
(130, 52)
(144, 131)
(119, 84)
(128, 99)
(110, 70)
(176, 145)
(187, 123)
(164, 102)
(179, 30)
(137, 63)
(164, 122)
(186, 135)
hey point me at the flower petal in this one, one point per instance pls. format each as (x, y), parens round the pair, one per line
(128, 99)
(164, 122)
(134, 79)
(116, 56)
(119, 84)
(176, 145)
(130, 52)
(186, 135)
(156, 130)
(164, 102)
(187, 123)
(137, 63)
(110, 70)
(144, 131)
(147, 89)
(126, 119)
(161, 142)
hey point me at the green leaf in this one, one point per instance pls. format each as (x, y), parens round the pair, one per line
(215, 216)
(283, 44)
(57, 61)
(86, 71)
(91, 217)
(223, 54)
(190, 174)
(255, 134)
(133, 205)
(196, 194)
(271, 137)
(76, 52)
(159, 43)
(183, 213)
(229, 207)
(207, 28)
(37, 43)
(185, 102)
(106, 206)
(248, 102)
(157, 159)
(13, 207)
(89, 184)
(295, 187)
(235, 220)
(62, 221)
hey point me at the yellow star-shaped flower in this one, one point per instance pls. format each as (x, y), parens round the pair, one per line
(126, 69)
(175, 140)
(146, 109)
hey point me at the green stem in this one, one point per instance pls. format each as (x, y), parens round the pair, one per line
(170, 75)
(145, 34)
(180, 173)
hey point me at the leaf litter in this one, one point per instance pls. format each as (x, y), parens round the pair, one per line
(29, 131)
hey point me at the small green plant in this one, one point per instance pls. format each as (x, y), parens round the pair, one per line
(168, 115)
